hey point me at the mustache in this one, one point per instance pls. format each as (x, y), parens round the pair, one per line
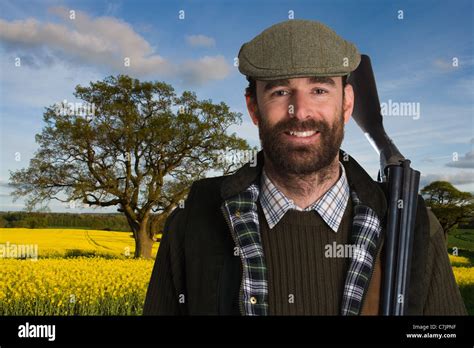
(293, 125)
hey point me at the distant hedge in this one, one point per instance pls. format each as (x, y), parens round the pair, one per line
(109, 222)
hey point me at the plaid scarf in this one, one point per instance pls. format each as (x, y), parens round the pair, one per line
(242, 213)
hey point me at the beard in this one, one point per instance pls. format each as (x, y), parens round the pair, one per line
(298, 159)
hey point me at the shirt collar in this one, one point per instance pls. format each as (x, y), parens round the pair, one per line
(331, 206)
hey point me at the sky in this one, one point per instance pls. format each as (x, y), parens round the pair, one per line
(421, 52)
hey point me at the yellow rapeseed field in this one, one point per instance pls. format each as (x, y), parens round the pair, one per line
(463, 270)
(75, 286)
(53, 242)
(55, 284)
(114, 284)
(464, 276)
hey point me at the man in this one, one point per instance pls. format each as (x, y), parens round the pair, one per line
(265, 240)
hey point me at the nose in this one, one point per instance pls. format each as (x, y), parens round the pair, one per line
(300, 106)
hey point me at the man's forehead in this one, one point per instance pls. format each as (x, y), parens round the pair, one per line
(269, 84)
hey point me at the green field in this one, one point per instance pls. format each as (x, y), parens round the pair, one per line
(463, 240)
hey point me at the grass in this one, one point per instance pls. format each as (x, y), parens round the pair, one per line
(462, 240)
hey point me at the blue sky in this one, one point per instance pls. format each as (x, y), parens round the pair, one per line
(412, 60)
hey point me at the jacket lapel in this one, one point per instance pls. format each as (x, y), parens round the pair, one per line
(242, 213)
(366, 232)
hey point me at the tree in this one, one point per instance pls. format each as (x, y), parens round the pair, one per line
(140, 150)
(450, 205)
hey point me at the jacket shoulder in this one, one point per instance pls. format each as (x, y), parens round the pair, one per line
(208, 183)
(202, 194)
(435, 226)
(205, 190)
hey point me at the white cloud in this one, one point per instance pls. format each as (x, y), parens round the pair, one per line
(200, 41)
(103, 42)
(467, 161)
(460, 178)
(206, 68)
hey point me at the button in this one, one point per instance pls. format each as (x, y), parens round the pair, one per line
(253, 300)
(237, 213)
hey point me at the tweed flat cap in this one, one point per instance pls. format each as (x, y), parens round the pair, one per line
(297, 48)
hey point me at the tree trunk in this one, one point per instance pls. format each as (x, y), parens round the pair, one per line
(143, 240)
(143, 243)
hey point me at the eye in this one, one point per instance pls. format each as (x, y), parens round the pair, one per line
(280, 93)
(320, 91)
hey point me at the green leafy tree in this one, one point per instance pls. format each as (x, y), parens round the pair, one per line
(450, 205)
(140, 151)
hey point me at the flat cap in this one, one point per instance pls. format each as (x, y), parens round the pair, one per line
(297, 48)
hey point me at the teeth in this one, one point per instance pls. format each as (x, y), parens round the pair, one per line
(303, 134)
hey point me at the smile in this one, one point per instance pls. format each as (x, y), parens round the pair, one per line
(305, 134)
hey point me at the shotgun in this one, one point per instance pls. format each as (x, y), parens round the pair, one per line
(402, 182)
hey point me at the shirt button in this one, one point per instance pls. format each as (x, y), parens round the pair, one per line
(253, 300)
(237, 213)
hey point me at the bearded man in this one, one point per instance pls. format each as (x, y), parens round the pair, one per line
(263, 241)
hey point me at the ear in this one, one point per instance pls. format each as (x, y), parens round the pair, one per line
(348, 102)
(252, 109)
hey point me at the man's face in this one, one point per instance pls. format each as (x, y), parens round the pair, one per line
(301, 121)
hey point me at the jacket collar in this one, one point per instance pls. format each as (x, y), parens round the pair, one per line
(370, 194)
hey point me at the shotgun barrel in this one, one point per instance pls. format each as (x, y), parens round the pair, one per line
(402, 182)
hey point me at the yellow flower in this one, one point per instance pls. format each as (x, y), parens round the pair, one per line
(98, 285)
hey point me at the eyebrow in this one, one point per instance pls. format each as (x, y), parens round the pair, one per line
(285, 82)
